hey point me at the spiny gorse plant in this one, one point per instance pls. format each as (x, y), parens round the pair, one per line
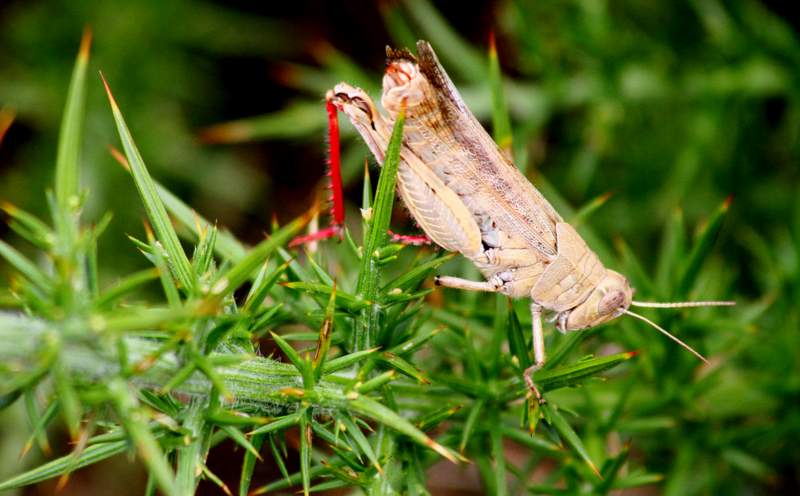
(171, 379)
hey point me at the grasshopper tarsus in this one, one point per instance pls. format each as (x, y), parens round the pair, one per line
(410, 239)
(528, 376)
(334, 230)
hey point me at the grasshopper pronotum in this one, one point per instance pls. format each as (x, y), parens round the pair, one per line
(468, 197)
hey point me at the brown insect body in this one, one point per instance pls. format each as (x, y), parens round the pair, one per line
(468, 197)
(494, 216)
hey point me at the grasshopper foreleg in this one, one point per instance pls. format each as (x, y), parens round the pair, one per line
(335, 174)
(538, 351)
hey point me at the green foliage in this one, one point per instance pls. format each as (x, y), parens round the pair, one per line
(375, 379)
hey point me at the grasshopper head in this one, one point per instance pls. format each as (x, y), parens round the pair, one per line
(609, 300)
(361, 111)
(355, 103)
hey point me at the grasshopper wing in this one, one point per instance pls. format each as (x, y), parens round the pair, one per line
(436, 208)
(515, 204)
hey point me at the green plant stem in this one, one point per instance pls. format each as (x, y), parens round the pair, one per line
(255, 383)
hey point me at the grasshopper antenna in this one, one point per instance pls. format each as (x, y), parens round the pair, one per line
(668, 334)
(682, 304)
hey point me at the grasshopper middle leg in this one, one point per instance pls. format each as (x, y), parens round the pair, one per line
(494, 285)
(538, 351)
(490, 286)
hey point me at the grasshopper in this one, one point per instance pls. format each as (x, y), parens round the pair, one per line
(469, 198)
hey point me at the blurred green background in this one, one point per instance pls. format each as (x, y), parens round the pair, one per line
(670, 105)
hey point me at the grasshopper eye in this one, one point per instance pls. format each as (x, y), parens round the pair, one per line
(363, 106)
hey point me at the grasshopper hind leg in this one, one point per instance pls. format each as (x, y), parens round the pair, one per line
(538, 352)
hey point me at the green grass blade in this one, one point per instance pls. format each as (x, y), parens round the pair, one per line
(278, 424)
(360, 439)
(227, 246)
(203, 254)
(262, 285)
(416, 342)
(637, 479)
(567, 344)
(125, 286)
(570, 375)
(402, 365)
(240, 439)
(69, 138)
(249, 464)
(463, 59)
(537, 443)
(369, 274)
(91, 455)
(248, 265)
(384, 201)
(71, 407)
(30, 227)
(499, 458)
(158, 257)
(286, 483)
(38, 422)
(433, 419)
(471, 423)
(410, 279)
(376, 382)
(380, 413)
(28, 269)
(346, 361)
(701, 249)
(396, 24)
(279, 453)
(501, 123)
(143, 438)
(343, 300)
(305, 450)
(586, 211)
(566, 432)
(290, 353)
(295, 120)
(516, 339)
(671, 252)
(325, 337)
(178, 261)
(208, 474)
(611, 472)
(191, 453)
